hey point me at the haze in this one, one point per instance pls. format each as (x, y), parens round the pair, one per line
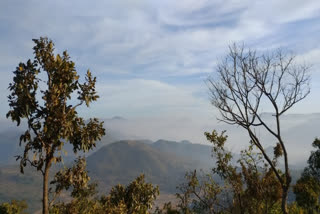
(152, 58)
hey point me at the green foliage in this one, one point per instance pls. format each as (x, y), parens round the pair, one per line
(56, 121)
(14, 207)
(44, 101)
(307, 188)
(136, 198)
(75, 177)
(249, 188)
(262, 192)
(294, 208)
(199, 194)
(83, 203)
(313, 168)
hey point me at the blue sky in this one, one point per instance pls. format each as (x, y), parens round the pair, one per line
(151, 58)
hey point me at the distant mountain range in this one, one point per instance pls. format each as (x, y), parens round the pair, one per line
(299, 131)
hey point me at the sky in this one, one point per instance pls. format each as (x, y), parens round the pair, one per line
(152, 58)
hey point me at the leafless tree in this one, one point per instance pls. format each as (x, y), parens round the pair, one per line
(245, 82)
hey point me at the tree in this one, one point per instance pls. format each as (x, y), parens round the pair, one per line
(136, 198)
(246, 185)
(245, 83)
(307, 188)
(83, 193)
(14, 207)
(75, 178)
(253, 185)
(262, 192)
(45, 102)
(200, 194)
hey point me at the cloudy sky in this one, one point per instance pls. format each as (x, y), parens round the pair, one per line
(151, 57)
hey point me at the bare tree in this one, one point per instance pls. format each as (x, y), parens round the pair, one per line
(245, 82)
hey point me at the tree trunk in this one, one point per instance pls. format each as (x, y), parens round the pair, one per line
(287, 183)
(284, 200)
(45, 197)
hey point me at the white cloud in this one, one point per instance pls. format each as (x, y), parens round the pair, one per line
(311, 57)
(159, 37)
(134, 47)
(143, 98)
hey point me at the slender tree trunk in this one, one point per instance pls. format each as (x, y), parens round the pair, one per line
(45, 191)
(287, 182)
(284, 200)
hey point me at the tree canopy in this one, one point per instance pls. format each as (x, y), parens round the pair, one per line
(41, 93)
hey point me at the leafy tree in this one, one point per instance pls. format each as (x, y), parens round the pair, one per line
(41, 93)
(254, 186)
(14, 207)
(245, 83)
(76, 178)
(200, 194)
(136, 198)
(307, 188)
(313, 168)
(262, 192)
(294, 208)
(247, 187)
(84, 202)
(226, 170)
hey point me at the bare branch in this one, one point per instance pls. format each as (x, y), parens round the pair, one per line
(243, 81)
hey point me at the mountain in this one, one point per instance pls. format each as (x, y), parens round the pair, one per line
(9, 146)
(198, 153)
(122, 161)
(299, 131)
(27, 186)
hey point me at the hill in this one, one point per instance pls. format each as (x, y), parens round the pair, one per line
(122, 161)
(14, 185)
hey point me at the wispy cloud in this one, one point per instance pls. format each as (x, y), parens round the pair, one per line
(151, 57)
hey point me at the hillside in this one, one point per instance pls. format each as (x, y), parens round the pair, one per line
(195, 152)
(9, 144)
(122, 161)
(14, 185)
